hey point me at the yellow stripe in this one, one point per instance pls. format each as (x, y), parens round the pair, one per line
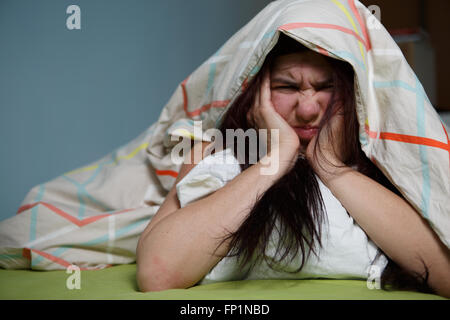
(134, 152)
(116, 160)
(82, 169)
(349, 17)
(184, 133)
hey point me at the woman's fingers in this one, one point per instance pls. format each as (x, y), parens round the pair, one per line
(330, 142)
(337, 129)
(263, 115)
(265, 94)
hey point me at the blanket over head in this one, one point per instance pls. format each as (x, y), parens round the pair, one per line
(93, 216)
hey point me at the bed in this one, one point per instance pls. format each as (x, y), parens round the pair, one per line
(118, 283)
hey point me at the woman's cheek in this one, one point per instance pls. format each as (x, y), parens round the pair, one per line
(281, 104)
(325, 99)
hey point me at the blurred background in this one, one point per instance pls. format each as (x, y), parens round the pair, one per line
(69, 97)
(421, 29)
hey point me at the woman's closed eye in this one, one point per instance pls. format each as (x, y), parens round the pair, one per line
(285, 87)
(325, 86)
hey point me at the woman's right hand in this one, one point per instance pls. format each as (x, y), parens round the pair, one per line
(262, 115)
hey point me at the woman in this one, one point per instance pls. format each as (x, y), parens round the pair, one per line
(309, 98)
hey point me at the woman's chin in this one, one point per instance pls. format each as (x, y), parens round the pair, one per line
(303, 147)
(304, 143)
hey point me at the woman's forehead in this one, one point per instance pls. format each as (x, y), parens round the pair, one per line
(305, 60)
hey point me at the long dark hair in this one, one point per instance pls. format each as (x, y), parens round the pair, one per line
(292, 208)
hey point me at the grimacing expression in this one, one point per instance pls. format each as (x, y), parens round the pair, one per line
(301, 88)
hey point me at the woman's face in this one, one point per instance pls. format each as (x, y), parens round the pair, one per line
(301, 88)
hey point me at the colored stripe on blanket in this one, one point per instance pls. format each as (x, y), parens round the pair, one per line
(34, 213)
(115, 161)
(166, 173)
(352, 6)
(407, 139)
(420, 119)
(82, 194)
(448, 143)
(349, 56)
(350, 19)
(57, 260)
(54, 256)
(69, 217)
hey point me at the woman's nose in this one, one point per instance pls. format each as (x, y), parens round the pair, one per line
(308, 108)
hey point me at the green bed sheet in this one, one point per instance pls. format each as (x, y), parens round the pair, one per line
(119, 282)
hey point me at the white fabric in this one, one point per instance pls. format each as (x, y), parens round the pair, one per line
(212, 173)
(346, 251)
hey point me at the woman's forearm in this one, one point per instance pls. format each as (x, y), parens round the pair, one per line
(178, 250)
(393, 225)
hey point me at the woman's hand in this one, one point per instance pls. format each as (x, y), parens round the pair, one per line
(262, 115)
(329, 153)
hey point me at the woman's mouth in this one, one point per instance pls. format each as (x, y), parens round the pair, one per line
(306, 133)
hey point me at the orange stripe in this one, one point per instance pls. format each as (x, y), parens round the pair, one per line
(59, 261)
(322, 51)
(50, 257)
(351, 3)
(448, 141)
(244, 84)
(67, 216)
(26, 207)
(26, 253)
(214, 104)
(167, 173)
(296, 25)
(408, 139)
(62, 213)
(185, 98)
(89, 220)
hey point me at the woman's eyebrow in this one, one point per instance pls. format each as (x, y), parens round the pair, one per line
(288, 81)
(321, 83)
(284, 80)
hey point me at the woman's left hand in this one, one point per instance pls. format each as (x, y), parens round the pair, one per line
(331, 142)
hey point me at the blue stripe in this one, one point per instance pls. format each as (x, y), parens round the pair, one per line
(81, 191)
(363, 139)
(394, 83)
(269, 34)
(10, 256)
(34, 212)
(95, 241)
(55, 253)
(348, 55)
(126, 229)
(118, 233)
(421, 97)
(420, 119)
(87, 195)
